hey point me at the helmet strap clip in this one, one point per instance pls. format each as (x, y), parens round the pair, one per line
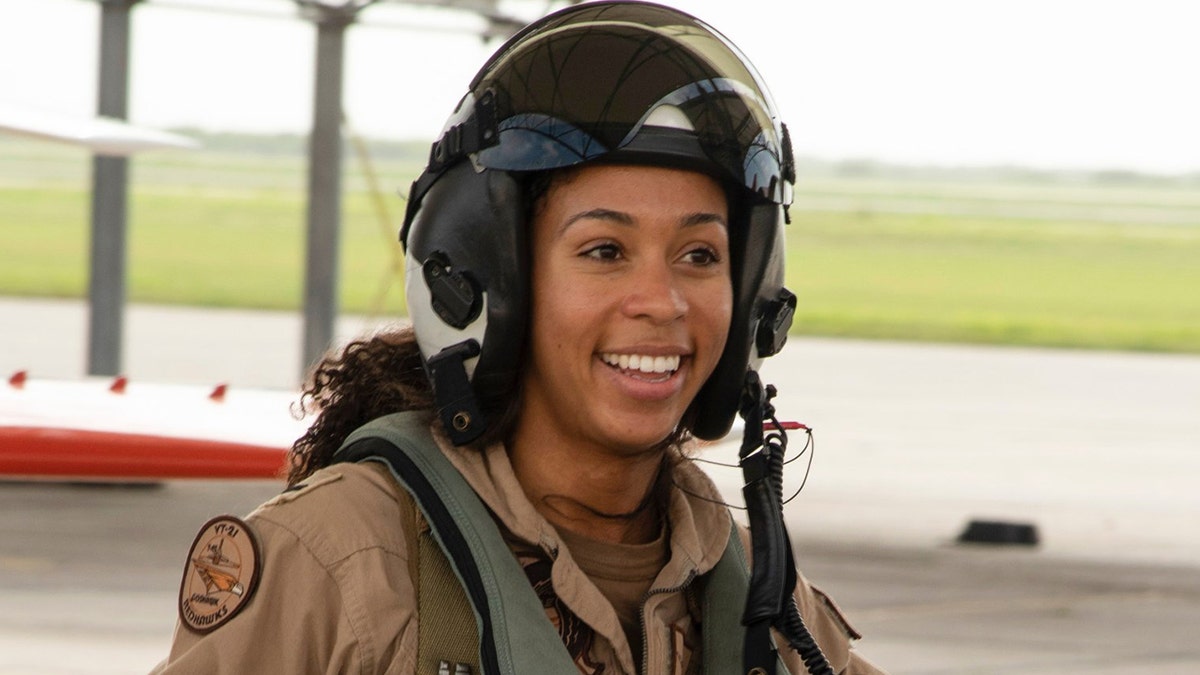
(477, 132)
(456, 404)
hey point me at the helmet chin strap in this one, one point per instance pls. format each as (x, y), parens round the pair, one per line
(770, 601)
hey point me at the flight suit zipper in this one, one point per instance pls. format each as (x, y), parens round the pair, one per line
(658, 591)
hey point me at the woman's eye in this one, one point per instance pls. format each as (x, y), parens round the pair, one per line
(604, 252)
(702, 255)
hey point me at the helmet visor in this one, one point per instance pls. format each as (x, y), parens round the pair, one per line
(582, 83)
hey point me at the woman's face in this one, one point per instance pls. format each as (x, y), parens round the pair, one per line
(631, 304)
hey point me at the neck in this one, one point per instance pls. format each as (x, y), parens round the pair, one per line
(602, 496)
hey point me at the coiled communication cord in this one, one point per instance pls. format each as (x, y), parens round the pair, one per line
(774, 568)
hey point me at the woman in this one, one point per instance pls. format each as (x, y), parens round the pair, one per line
(594, 266)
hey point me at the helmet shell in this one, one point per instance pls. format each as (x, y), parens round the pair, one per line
(614, 82)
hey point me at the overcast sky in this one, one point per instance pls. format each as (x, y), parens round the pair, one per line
(1050, 83)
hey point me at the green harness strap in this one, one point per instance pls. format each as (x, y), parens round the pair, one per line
(464, 568)
(515, 637)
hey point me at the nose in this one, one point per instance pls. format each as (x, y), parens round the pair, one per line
(654, 293)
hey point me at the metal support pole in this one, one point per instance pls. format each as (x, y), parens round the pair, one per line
(324, 186)
(106, 281)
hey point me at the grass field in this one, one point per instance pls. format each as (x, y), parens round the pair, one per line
(1060, 262)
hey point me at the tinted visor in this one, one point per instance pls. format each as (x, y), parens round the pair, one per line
(581, 84)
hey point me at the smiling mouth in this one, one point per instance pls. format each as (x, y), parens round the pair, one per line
(644, 366)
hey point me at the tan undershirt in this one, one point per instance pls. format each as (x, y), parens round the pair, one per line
(624, 574)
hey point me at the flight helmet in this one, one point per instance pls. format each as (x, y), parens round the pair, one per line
(617, 82)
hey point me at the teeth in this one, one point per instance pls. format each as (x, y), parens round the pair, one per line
(642, 363)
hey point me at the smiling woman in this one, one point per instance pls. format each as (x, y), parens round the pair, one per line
(594, 273)
(629, 263)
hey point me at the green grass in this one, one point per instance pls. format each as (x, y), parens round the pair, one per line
(207, 229)
(1061, 264)
(195, 247)
(945, 278)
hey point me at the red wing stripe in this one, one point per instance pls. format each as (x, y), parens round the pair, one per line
(39, 452)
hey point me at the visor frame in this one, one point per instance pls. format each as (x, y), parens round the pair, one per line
(540, 126)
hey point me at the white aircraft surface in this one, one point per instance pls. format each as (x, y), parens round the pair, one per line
(102, 135)
(101, 430)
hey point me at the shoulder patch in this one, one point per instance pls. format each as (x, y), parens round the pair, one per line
(221, 574)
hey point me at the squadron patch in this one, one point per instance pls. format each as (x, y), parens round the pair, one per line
(220, 575)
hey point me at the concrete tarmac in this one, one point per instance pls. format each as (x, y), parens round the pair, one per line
(1098, 450)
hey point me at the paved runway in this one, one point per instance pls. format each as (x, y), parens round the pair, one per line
(1099, 450)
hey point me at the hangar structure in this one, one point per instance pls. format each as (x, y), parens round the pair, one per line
(330, 18)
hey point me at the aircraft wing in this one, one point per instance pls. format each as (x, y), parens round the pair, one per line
(100, 430)
(102, 135)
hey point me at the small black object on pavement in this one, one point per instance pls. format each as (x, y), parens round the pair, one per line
(999, 532)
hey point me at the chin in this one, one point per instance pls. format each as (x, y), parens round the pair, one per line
(640, 437)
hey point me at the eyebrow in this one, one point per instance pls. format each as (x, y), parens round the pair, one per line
(621, 218)
(703, 218)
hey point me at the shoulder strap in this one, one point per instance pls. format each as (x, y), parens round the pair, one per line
(514, 634)
(725, 589)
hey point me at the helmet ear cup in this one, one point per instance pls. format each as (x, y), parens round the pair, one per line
(756, 249)
(467, 276)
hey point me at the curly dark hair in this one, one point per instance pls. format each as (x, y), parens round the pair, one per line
(371, 377)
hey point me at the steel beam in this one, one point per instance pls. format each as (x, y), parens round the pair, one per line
(106, 280)
(324, 186)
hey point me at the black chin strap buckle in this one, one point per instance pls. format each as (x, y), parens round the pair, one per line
(457, 407)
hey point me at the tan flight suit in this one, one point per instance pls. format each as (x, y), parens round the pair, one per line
(334, 594)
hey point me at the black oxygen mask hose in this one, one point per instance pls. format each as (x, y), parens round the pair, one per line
(770, 601)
